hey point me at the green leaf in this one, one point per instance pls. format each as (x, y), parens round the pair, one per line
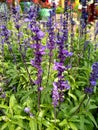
(66, 128)
(19, 128)
(11, 126)
(41, 114)
(73, 126)
(4, 126)
(46, 123)
(12, 103)
(93, 106)
(50, 128)
(33, 124)
(63, 123)
(73, 109)
(92, 118)
(73, 96)
(20, 117)
(3, 106)
(71, 78)
(82, 119)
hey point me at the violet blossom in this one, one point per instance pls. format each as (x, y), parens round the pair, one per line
(94, 74)
(5, 34)
(93, 79)
(51, 40)
(62, 85)
(36, 62)
(55, 95)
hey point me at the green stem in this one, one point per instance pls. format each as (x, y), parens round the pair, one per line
(78, 109)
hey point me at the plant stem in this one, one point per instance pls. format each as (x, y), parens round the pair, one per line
(78, 109)
(49, 66)
(24, 62)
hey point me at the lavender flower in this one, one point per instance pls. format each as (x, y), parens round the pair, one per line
(27, 110)
(36, 62)
(31, 115)
(62, 84)
(51, 41)
(3, 95)
(55, 95)
(5, 33)
(94, 74)
(93, 79)
(84, 18)
(65, 22)
(88, 90)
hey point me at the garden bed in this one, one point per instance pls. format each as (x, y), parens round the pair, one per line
(49, 74)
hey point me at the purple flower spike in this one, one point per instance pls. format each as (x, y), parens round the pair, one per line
(94, 74)
(93, 79)
(55, 95)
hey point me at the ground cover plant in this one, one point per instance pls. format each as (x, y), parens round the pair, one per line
(49, 74)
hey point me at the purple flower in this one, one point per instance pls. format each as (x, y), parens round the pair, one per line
(31, 115)
(40, 88)
(93, 83)
(94, 74)
(39, 51)
(59, 66)
(93, 78)
(40, 34)
(55, 95)
(51, 35)
(68, 54)
(88, 90)
(65, 85)
(3, 95)
(27, 110)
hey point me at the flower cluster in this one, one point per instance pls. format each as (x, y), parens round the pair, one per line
(5, 34)
(93, 78)
(94, 74)
(27, 110)
(51, 40)
(62, 84)
(38, 52)
(32, 15)
(55, 95)
(84, 16)
(16, 16)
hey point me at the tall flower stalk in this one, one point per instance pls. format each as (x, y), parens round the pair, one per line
(36, 62)
(83, 19)
(61, 85)
(5, 34)
(51, 40)
(72, 23)
(16, 18)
